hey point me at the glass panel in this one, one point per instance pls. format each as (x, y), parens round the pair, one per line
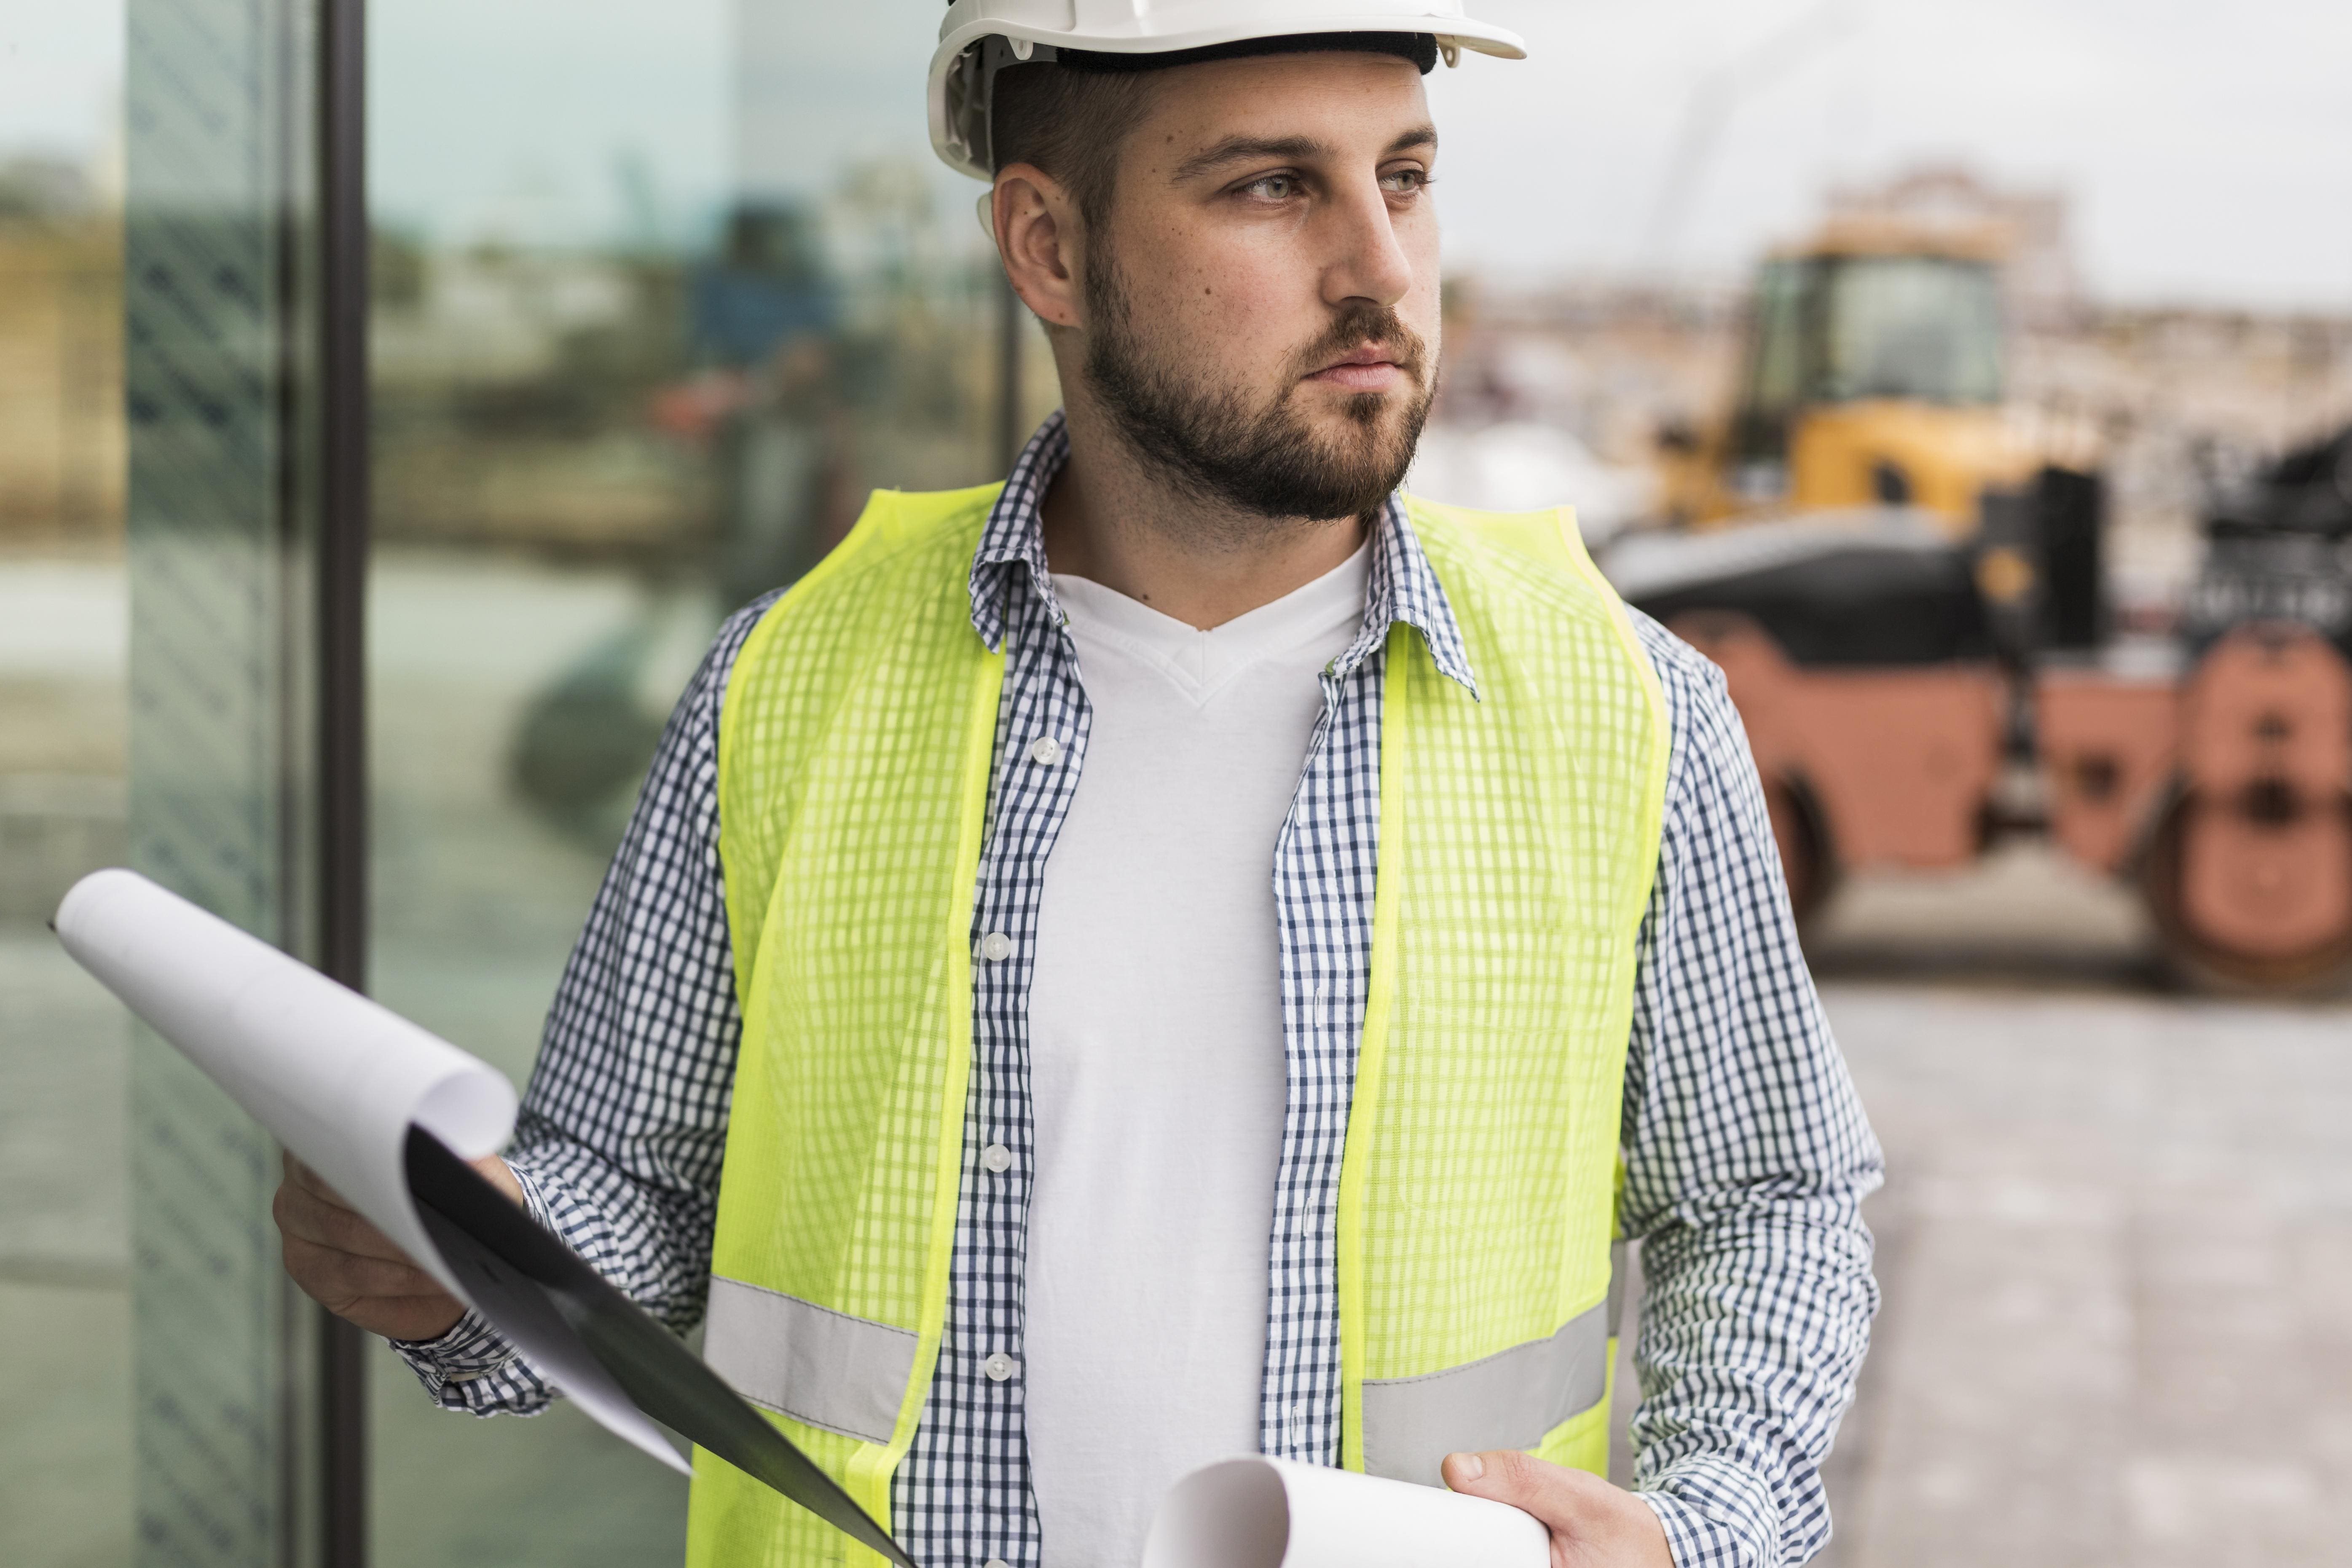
(1913, 327)
(65, 1255)
(214, 676)
(142, 700)
(65, 1252)
(663, 288)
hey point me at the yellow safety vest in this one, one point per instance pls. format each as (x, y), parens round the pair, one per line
(1518, 835)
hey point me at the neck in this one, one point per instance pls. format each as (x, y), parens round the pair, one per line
(1112, 519)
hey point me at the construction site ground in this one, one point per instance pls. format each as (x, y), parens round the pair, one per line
(2115, 1241)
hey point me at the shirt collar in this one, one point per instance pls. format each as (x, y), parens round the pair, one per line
(1014, 535)
(1403, 587)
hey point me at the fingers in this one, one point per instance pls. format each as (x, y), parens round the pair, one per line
(314, 1186)
(351, 1267)
(384, 1295)
(324, 1271)
(427, 1317)
(301, 1213)
(395, 1299)
(399, 1316)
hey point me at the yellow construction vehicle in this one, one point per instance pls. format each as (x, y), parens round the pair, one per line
(1872, 376)
(1911, 621)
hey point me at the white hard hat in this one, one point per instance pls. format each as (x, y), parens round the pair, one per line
(964, 69)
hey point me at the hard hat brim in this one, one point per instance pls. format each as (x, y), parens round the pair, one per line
(1480, 37)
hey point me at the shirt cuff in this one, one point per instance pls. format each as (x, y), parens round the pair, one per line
(472, 1366)
(1716, 1514)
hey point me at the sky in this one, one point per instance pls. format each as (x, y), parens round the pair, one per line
(61, 74)
(2207, 149)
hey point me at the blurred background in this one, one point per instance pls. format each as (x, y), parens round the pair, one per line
(1969, 380)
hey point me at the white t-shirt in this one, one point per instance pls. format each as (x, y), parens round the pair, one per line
(1156, 1053)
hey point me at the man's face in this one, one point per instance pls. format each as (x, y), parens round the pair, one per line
(1262, 312)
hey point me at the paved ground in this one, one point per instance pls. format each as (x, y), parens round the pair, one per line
(2115, 1243)
(64, 1319)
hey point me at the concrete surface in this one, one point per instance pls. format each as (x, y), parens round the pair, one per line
(2116, 1240)
(64, 1308)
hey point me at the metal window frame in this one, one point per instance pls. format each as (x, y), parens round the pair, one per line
(341, 779)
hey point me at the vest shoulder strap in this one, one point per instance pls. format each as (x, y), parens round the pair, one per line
(1546, 538)
(899, 575)
(1531, 548)
(894, 521)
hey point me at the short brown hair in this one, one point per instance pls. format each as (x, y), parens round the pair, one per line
(1070, 124)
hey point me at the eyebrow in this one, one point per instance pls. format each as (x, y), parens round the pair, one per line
(1236, 149)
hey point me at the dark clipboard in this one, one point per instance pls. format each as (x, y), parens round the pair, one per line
(575, 1327)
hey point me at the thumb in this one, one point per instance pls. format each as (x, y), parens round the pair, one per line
(1551, 1493)
(1500, 1474)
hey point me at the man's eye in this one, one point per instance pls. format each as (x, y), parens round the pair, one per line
(1272, 187)
(1404, 181)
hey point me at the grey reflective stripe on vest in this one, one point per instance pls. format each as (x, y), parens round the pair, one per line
(821, 1367)
(1508, 1400)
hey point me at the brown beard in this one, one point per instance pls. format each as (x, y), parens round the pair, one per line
(1267, 460)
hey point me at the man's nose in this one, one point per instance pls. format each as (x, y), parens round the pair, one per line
(1369, 261)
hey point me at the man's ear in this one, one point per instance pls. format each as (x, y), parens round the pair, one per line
(1036, 227)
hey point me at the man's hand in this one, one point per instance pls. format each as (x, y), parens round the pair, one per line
(1592, 1523)
(352, 1270)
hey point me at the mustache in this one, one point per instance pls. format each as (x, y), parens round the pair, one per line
(1356, 325)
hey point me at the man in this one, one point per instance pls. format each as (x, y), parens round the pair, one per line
(1192, 951)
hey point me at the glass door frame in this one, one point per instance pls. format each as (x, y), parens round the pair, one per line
(341, 722)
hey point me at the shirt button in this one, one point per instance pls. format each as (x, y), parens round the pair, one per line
(996, 947)
(999, 1367)
(1046, 750)
(995, 1563)
(997, 1158)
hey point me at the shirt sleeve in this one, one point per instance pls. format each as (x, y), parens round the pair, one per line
(620, 1135)
(1746, 1159)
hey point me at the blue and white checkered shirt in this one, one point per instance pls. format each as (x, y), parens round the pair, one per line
(1747, 1153)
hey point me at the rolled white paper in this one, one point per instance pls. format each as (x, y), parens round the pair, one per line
(335, 1077)
(1272, 1514)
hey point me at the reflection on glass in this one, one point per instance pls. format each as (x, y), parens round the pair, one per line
(65, 1407)
(64, 1243)
(654, 309)
(213, 329)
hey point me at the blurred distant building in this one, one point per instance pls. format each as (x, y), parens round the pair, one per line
(2043, 289)
(61, 433)
(767, 285)
(42, 188)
